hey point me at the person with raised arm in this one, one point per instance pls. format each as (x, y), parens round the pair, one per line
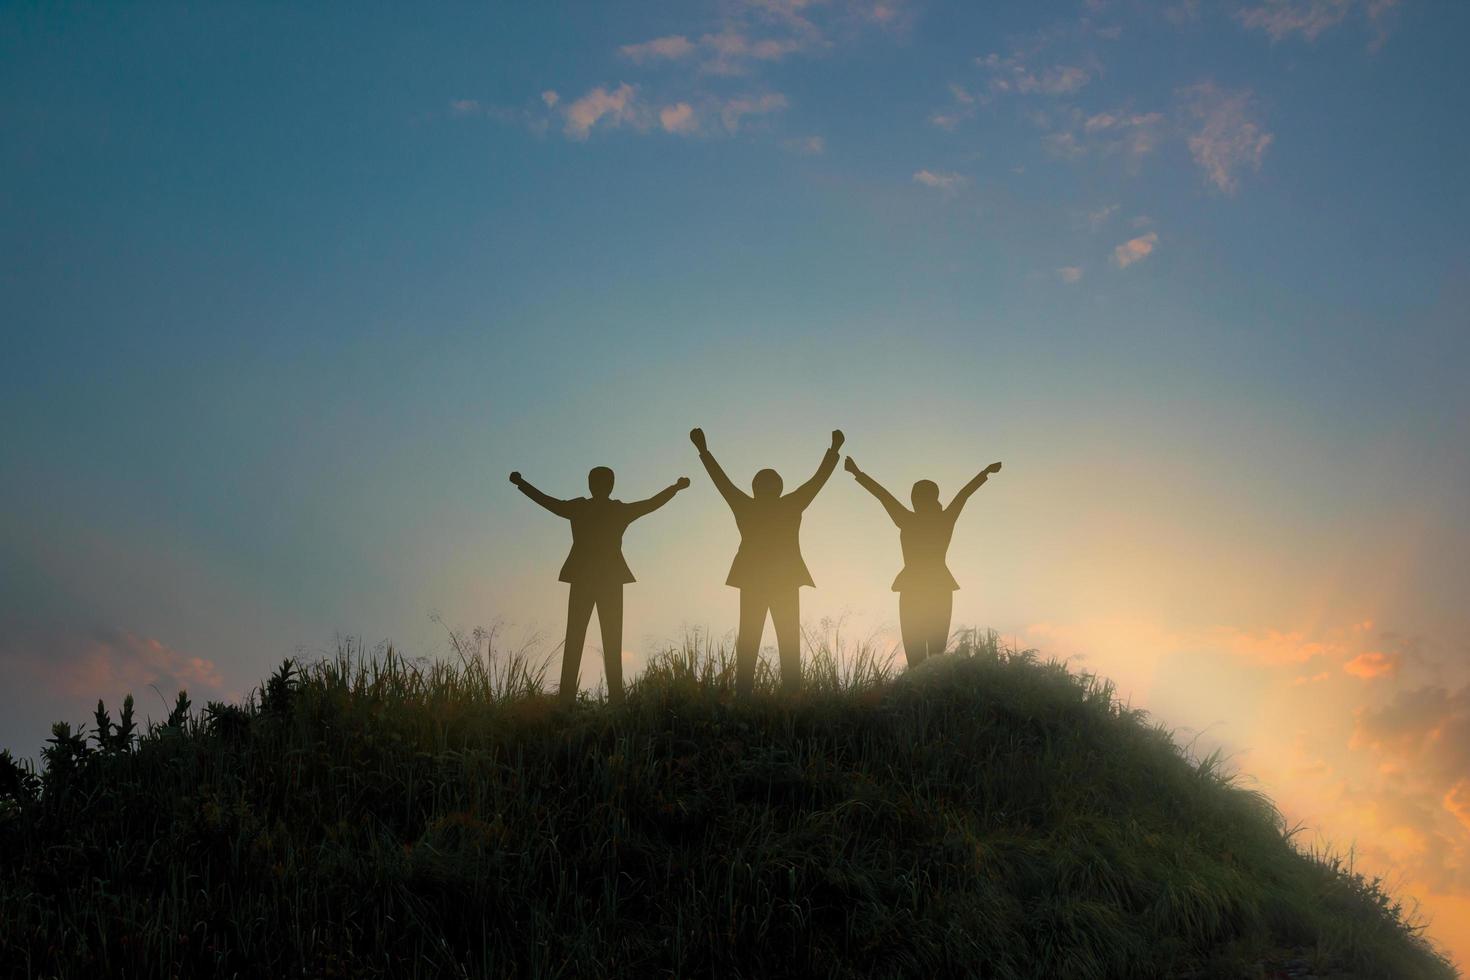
(596, 570)
(925, 587)
(768, 568)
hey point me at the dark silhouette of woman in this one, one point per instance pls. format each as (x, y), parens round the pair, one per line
(768, 569)
(596, 570)
(925, 587)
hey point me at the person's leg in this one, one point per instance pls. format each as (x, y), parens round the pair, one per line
(911, 626)
(786, 617)
(941, 613)
(610, 618)
(579, 611)
(748, 640)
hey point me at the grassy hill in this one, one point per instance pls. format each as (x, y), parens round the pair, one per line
(988, 815)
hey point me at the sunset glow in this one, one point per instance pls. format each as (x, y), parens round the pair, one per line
(288, 294)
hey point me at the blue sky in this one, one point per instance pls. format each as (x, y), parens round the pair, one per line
(288, 291)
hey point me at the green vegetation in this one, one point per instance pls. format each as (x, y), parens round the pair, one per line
(988, 815)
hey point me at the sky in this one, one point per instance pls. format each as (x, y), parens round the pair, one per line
(287, 291)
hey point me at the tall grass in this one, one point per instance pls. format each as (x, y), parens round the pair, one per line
(986, 815)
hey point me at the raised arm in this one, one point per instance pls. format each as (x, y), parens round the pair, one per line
(639, 508)
(733, 495)
(958, 503)
(807, 492)
(561, 508)
(897, 511)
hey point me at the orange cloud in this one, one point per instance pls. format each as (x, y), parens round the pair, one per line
(1457, 801)
(1371, 664)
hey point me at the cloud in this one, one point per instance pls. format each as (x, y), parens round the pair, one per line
(1183, 12)
(1135, 250)
(464, 107)
(1282, 18)
(1309, 19)
(1123, 133)
(108, 663)
(1012, 75)
(1316, 678)
(624, 106)
(1229, 138)
(550, 98)
(1100, 217)
(599, 106)
(671, 48)
(962, 107)
(1063, 144)
(1371, 664)
(1070, 274)
(1421, 740)
(1457, 802)
(941, 181)
(736, 109)
(731, 51)
(678, 118)
(807, 146)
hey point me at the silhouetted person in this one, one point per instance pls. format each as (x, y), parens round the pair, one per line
(596, 570)
(925, 587)
(768, 569)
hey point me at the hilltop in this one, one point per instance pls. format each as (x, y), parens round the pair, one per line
(987, 815)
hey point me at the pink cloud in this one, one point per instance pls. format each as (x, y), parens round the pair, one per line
(1229, 138)
(108, 664)
(613, 109)
(1135, 250)
(678, 118)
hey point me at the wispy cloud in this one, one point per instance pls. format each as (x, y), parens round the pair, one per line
(806, 145)
(1011, 74)
(1135, 250)
(949, 183)
(737, 109)
(1229, 138)
(1096, 219)
(1309, 19)
(1283, 18)
(670, 48)
(1070, 274)
(962, 107)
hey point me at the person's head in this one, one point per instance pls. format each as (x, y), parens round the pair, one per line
(767, 483)
(600, 482)
(925, 496)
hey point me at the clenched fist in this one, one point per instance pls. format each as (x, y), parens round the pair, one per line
(837, 439)
(993, 468)
(696, 436)
(515, 477)
(682, 483)
(851, 466)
